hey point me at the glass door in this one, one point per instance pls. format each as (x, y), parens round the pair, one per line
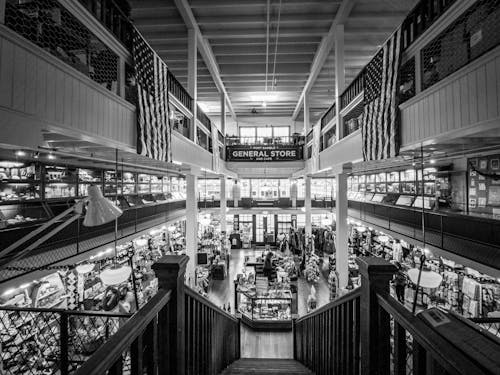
(265, 226)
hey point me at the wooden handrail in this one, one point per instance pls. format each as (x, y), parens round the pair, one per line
(210, 304)
(104, 314)
(447, 355)
(339, 301)
(106, 356)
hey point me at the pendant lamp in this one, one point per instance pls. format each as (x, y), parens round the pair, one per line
(100, 210)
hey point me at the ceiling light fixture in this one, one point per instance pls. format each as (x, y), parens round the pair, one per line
(51, 156)
(20, 153)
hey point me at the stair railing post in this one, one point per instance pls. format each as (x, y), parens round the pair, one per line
(376, 274)
(170, 270)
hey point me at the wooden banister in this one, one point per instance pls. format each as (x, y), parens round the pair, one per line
(340, 301)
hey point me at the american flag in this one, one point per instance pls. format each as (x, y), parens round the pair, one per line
(380, 121)
(153, 129)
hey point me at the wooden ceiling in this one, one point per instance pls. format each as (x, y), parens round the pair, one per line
(236, 31)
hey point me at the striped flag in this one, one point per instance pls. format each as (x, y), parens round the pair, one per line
(380, 121)
(153, 128)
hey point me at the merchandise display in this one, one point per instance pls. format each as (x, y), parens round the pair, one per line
(462, 290)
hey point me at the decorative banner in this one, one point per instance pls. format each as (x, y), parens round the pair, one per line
(215, 149)
(153, 128)
(380, 123)
(263, 153)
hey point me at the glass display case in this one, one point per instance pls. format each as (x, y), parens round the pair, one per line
(19, 181)
(87, 177)
(112, 183)
(129, 183)
(60, 182)
(266, 308)
(22, 213)
(144, 184)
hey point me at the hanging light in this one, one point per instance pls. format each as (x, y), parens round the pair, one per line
(360, 228)
(326, 221)
(428, 279)
(303, 209)
(205, 220)
(100, 210)
(82, 269)
(171, 228)
(115, 275)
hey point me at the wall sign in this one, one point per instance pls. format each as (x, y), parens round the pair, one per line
(263, 153)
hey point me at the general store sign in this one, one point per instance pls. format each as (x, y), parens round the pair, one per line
(242, 153)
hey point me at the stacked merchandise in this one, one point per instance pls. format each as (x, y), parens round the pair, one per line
(202, 280)
(463, 290)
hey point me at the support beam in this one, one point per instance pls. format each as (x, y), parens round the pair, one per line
(191, 225)
(223, 205)
(307, 117)
(308, 205)
(193, 78)
(324, 50)
(339, 76)
(341, 229)
(223, 114)
(204, 48)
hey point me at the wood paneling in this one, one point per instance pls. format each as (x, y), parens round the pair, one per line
(468, 97)
(37, 84)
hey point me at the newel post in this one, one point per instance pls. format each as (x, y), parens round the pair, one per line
(170, 270)
(376, 274)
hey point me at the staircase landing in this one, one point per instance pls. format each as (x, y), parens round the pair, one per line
(263, 366)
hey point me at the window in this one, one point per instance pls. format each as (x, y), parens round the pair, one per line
(301, 188)
(281, 132)
(245, 188)
(264, 135)
(284, 188)
(247, 134)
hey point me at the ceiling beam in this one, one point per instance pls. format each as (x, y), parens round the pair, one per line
(323, 51)
(205, 50)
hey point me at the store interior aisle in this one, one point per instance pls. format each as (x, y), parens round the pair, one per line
(221, 292)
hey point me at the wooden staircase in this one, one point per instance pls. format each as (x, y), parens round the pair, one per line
(263, 366)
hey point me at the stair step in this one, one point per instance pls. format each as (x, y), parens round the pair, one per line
(263, 366)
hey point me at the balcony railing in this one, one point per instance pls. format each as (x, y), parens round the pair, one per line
(50, 26)
(203, 118)
(352, 91)
(113, 17)
(175, 88)
(265, 141)
(328, 116)
(425, 13)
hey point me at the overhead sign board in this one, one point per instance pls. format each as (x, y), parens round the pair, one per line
(263, 153)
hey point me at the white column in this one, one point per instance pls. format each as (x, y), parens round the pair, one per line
(342, 234)
(223, 113)
(307, 125)
(191, 225)
(2, 11)
(307, 205)
(236, 193)
(223, 203)
(293, 193)
(339, 75)
(193, 77)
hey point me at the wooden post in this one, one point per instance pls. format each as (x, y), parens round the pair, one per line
(375, 324)
(170, 271)
(2, 11)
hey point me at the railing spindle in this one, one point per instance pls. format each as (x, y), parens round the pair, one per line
(399, 349)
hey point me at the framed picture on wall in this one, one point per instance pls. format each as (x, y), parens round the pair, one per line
(495, 164)
(483, 164)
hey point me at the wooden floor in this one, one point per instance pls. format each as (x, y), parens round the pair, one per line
(221, 292)
(257, 344)
(266, 367)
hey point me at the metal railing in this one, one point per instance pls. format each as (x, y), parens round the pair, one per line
(176, 332)
(51, 341)
(50, 26)
(175, 88)
(471, 35)
(77, 239)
